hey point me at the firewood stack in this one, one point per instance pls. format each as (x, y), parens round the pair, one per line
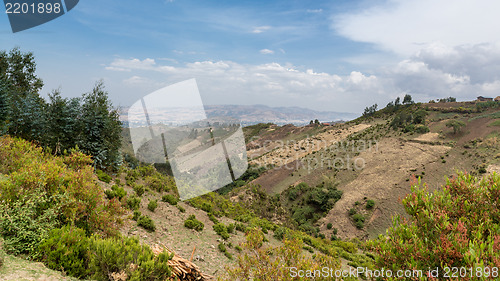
(182, 268)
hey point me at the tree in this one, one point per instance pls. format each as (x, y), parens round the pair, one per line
(456, 125)
(397, 102)
(18, 69)
(316, 121)
(64, 117)
(370, 110)
(407, 99)
(100, 128)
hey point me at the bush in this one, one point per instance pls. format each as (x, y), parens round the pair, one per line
(193, 223)
(66, 249)
(50, 191)
(133, 203)
(181, 209)
(230, 228)
(221, 247)
(116, 191)
(329, 225)
(457, 225)
(147, 223)
(138, 189)
(221, 229)
(258, 262)
(26, 222)
(212, 218)
(370, 204)
(422, 129)
(126, 256)
(152, 205)
(352, 212)
(102, 176)
(170, 199)
(137, 215)
(70, 250)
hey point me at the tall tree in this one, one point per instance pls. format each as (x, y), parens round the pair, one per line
(18, 69)
(63, 119)
(101, 128)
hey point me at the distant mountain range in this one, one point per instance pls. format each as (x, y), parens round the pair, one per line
(247, 114)
(253, 114)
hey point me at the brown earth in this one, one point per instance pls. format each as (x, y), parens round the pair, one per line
(381, 179)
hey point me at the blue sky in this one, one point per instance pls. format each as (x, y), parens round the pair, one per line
(324, 55)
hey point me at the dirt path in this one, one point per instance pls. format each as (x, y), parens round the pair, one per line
(384, 180)
(279, 153)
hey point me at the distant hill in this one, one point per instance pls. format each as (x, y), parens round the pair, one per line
(247, 114)
(253, 114)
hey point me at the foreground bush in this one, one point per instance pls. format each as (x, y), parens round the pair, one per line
(258, 262)
(39, 191)
(69, 249)
(457, 226)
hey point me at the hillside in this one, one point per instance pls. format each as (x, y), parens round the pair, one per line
(333, 187)
(384, 161)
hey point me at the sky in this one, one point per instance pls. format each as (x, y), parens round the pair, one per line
(324, 55)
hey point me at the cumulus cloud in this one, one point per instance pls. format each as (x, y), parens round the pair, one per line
(439, 71)
(260, 29)
(266, 52)
(404, 27)
(445, 47)
(227, 82)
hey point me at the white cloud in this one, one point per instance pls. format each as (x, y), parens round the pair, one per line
(137, 80)
(266, 52)
(126, 65)
(227, 82)
(404, 27)
(260, 29)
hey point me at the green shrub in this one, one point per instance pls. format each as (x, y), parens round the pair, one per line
(212, 218)
(193, 223)
(138, 189)
(159, 182)
(457, 225)
(422, 129)
(221, 229)
(329, 225)
(228, 255)
(47, 192)
(359, 224)
(66, 249)
(133, 203)
(352, 211)
(241, 227)
(181, 209)
(116, 191)
(221, 247)
(147, 223)
(370, 204)
(152, 205)
(102, 176)
(238, 248)
(117, 255)
(169, 198)
(137, 215)
(230, 228)
(24, 223)
(207, 207)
